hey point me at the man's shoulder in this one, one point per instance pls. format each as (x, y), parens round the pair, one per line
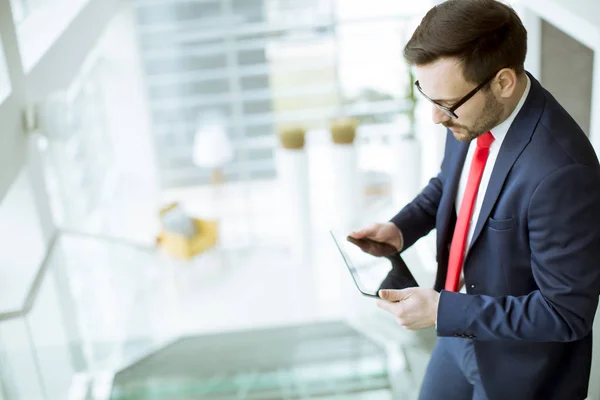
(557, 120)
(558, 140)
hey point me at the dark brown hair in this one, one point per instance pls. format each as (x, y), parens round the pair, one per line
(484, 35)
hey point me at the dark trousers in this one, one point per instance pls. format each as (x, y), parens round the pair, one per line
(452, 373)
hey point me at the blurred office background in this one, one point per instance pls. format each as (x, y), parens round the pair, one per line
(169, 174)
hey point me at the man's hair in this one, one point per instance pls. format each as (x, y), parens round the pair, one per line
(484, 35)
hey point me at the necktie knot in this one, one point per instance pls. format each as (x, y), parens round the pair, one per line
(485, 140)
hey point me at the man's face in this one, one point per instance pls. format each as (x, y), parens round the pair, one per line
(443, 82)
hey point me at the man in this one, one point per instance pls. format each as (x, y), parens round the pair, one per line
(516, 207)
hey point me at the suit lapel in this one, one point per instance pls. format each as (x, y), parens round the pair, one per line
(517, 138)
(509, 152)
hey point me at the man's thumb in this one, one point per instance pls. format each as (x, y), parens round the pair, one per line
(393, 294)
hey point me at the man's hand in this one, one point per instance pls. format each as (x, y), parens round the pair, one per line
(414, 308)
(384, 233)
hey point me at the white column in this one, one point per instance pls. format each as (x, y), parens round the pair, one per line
(595, 106)
(406, 177)
(533, 24)
(346, 188)
(292, 170)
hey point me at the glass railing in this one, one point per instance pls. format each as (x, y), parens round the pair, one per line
(75, 326)
(100, 321)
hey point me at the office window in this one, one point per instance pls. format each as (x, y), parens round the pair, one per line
(267, 65)
(5, 87)
(370, 72)
(39, 23)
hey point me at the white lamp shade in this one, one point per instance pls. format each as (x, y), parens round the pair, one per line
(212, 147)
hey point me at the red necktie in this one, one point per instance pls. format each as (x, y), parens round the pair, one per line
(461, 231)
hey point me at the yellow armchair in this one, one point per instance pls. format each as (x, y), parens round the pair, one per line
(184, 248)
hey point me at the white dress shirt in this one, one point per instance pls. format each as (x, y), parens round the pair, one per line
(499, 133)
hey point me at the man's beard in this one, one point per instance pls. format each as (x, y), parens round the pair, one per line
(490, 118)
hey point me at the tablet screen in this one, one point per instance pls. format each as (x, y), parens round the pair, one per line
(373, 265)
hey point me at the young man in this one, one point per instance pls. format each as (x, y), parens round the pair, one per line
(516, 207)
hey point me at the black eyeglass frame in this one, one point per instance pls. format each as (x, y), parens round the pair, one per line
(450, 111)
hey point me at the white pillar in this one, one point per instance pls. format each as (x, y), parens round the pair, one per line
(595, 106)
(292, 171)
(533, 24)
(406, 176)
(346, 187)
(406, 168)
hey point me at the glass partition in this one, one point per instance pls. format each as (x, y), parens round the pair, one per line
(20, 368)
(90, 311)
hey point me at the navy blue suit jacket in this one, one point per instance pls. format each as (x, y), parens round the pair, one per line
(532, 273)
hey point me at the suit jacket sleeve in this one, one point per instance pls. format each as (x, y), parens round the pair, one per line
(417, 219)
(564, 239)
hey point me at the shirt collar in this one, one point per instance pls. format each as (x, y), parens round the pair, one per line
(501, 130)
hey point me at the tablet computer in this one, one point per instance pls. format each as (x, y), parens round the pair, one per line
(373, 265)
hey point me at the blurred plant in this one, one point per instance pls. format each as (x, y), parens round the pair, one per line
(343, 130)
(292, 138)
(368, 96)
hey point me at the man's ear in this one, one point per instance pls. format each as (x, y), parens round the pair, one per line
(505, 82)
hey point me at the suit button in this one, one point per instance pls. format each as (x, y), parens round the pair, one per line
(472, 286)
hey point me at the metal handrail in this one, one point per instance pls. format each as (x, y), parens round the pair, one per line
(34, 289)
(36, 284)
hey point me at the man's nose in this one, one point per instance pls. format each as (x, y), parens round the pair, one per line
(438, 116)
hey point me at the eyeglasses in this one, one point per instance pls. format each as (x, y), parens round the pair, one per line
(450, 111)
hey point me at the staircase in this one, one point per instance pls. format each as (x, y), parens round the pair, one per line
(318, 361)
